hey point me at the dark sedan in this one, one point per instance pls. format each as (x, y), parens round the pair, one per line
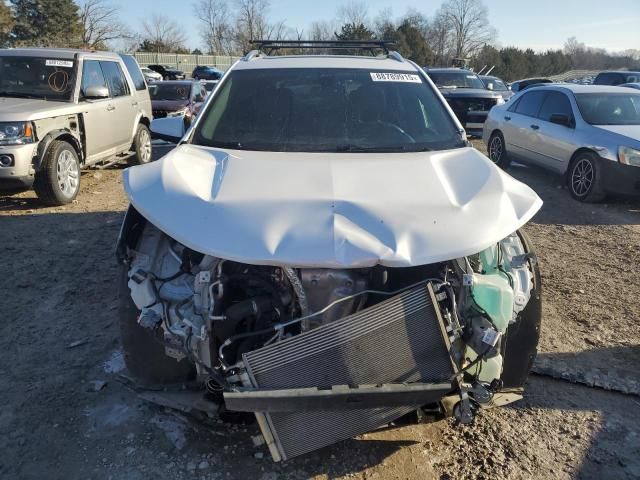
(181, 98)
(466, 95)
(525, 83)
(203, 72)
(168, 72)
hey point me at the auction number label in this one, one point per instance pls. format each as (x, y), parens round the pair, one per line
(59, 63)
(395, 77)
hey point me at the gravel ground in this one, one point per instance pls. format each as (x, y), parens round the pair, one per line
(59, 343)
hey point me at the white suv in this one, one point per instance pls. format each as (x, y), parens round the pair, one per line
(324, 248)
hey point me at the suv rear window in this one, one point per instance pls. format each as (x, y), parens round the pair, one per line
(326, 110)
(134, 71)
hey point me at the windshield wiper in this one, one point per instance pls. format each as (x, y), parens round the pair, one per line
(384, 149)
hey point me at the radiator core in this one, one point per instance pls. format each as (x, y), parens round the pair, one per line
(400, 340)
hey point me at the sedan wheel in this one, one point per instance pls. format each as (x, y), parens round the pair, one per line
(584, 180)
(497, 151)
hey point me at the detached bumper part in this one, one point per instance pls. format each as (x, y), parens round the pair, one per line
(399, 341)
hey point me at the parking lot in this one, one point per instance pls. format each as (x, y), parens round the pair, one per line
(60, 343)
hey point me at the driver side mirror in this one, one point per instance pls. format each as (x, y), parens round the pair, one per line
(170, 129)
(561, 119)
(96, 92)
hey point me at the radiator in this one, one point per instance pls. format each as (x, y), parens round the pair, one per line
(400, 340)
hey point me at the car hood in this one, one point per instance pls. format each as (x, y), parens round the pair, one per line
(631, 131)
(23, 109)
(330, 210)
(169, 105)
(468, 92)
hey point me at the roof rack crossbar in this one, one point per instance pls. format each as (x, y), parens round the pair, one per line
(270, 45)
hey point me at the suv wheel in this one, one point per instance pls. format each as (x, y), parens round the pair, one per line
(58, 181)
(584, 179)
(497, 150)
(142, 145)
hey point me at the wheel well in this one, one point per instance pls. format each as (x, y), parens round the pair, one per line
(145, 121)
(62, 136)
(574, 156)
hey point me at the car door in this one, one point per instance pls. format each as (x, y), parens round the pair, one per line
(125, 105)
(520, 126)
(554, 144)
(96, 114)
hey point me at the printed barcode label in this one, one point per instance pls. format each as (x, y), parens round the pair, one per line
(395, 77)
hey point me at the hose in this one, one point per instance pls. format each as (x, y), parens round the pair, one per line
(298, 288)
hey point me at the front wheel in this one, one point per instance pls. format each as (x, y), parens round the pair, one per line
(142, 145)
(497, 150)
(58, 181)
(584, 179)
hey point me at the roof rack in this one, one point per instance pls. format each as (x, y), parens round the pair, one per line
(268, 46)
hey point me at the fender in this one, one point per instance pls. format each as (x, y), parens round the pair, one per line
(130, 232)
(54, 135)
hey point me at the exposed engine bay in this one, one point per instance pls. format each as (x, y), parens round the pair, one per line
(321, 354)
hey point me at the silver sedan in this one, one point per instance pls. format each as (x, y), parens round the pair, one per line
(589, 133)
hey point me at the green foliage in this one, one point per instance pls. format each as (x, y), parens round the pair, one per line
(412, 45)
(46, 23)
(352, 31)
(6, 24)
(159, 47)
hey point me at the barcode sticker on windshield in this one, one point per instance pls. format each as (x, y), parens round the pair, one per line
(59, 63)
(395, 77)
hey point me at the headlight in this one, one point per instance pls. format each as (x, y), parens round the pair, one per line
(16, 133)
(629, 156)
(178, 113)
(499, 101)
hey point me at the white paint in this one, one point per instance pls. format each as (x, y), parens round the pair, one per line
(331, 210)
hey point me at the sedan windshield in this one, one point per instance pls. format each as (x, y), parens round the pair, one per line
(37, 77)
(169, 91)
(456, 80)
(326, 110)
(609, 108)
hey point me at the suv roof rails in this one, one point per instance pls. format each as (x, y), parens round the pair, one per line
(269, 46)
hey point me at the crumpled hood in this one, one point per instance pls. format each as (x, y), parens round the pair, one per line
(330, 210)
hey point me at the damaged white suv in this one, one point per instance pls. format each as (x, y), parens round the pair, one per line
(325, 249)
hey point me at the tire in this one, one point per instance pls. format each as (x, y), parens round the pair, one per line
(497, 150)
(584, 178)
(142, 146)
(144, 348)
(58, 180)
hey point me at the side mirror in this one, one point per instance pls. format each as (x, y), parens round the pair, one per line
(170, 129)
(96, 92)
(561, 119)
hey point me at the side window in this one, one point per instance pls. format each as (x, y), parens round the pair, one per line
(115, 78)
(555, 102)
(92, 75)
(609, 79)
(529, 103)
(134, 71)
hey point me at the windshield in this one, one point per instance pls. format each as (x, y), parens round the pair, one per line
(495, 84)
(609, 108)
(456, 79)
(326, 110)
(169, 91)
(37, 77)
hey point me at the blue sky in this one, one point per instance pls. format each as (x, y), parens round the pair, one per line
(539, 24)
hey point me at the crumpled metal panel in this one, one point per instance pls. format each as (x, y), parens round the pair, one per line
(330, 210)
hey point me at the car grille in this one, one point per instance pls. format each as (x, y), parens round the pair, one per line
(399, 340)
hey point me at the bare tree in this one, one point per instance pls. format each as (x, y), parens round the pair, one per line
(100, 23)
(470, 26)
(216, 25)
(251, 22)
(440, 39)
(353, 12)
(322, 30)
(162, 34)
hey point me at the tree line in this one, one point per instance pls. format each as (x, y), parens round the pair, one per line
(457, 33)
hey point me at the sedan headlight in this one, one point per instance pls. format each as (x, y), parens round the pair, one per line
(629, 156)
(16, 133)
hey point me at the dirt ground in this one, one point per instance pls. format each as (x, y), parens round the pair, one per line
(59, 341)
